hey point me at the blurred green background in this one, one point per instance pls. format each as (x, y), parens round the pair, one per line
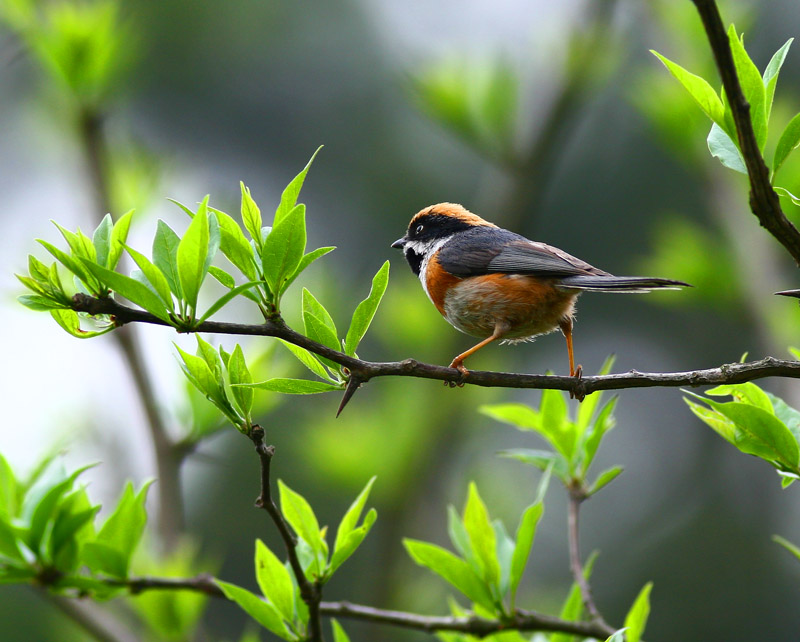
(552, 119)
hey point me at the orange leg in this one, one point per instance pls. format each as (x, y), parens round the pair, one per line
(458, 362)
(566, 328)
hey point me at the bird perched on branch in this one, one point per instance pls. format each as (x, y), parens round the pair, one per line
(497, 285)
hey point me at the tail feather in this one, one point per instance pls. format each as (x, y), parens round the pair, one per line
(629, 284)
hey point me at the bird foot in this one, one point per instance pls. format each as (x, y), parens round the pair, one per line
(578, 374)
(460, 381)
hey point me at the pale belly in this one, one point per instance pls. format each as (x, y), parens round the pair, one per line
(522, 306)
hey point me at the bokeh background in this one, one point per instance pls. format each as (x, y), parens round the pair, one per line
(584, 141)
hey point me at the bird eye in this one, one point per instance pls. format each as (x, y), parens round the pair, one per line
(419, 229)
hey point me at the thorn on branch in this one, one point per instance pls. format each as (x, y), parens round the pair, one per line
(353, 384)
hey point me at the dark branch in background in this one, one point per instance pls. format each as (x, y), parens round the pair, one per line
(95, 624)
(168, 458)
(764, 201)
(310, 592)
(366, 370)
(522, 620)
(576, 496)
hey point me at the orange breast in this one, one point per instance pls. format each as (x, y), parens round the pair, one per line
(438, 282)
(525, 306)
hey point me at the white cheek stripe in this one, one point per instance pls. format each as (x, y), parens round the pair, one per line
(427, 250)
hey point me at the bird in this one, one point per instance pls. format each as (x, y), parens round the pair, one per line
(496, 285)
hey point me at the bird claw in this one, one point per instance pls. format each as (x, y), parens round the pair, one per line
(452, 383)
(578, 374)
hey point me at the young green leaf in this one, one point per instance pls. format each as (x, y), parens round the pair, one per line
(265, 613)
(752, 86)
(200, 374)
(101, 239)
(222, 276)
(119, 235)
(227, 298)
(274, 581)
(238, 373)
(353, 514)
(526, 532)
(300, 516)
(165, 256)
(284, 248)
(351, 542)
(452, 569)
(154, 276)
(307, 260)
(794, 550)
(788, 142)
(339, 634)
(251, 214)
(235, 246)
(636, 620)
(309, 360)
(72, 264)
(292, 191)
(132, 290)
(296, 386)
(771, 74)
(699, 89)
(191, 255)
(542, 459)
(605, 478)
(723, 148)
(364, 313)
(602, 424)
(515, 414)
(482, 536)
(70, 322)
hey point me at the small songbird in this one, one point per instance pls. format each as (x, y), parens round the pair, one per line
(497, 285)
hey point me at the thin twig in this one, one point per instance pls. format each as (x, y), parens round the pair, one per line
(168, 458)
(764, 201)
(366, 370)
(310, 592)
(576, 497)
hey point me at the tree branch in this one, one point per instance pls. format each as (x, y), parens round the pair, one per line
(366, 370)
(764, 201)
(522, 620)
(310, 592)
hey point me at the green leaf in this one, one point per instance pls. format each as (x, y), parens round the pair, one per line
(300, 516)
(292, 191)
(353, 514)
(636, 620)
(747, 392)
(191, 255)
(274, 581)
(556, 426)
(307, 260)
(119, 235)
(199, 373)
(40, 303)
(602, 424)
(313, 308)
(234, 245)
(482, 536)
(364, 313)
(309, 360)
(605, 478)
(72, 264)
(78, 242)
(787, 143)
(222, 276)
(515, 414)
(165, 256)
(723, 148)
(752, 87)
(699, 89)
(587, 408)
(542, 459)
(154, 275)
(617, 636)
(452, 569)
(70, 322)
(227, 298)
(284, 248)
(251, 214)
(101, 239)
(352, 541)
(339, 634)
(122, 530)
(526, 532)
(132, 290)
(296, 386)
(266, 614)
(771, 75)
(238, 373)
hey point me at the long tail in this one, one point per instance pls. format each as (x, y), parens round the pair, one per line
(629, 284)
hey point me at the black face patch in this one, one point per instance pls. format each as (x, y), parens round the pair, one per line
(434, 226)
(414, 260)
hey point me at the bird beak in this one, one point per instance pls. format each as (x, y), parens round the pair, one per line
(399, 244)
